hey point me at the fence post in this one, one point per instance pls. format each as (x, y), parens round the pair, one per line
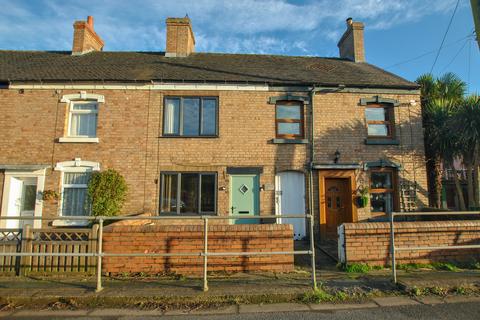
(312, 249)
(99, 255)
(205, 252)
(92, 245)
(392, 247)
(26, 247)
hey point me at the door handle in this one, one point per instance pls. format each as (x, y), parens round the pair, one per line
(244, 212)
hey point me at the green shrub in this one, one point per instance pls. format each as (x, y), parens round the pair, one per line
(357, 268)
(107, 191)
(318, 295)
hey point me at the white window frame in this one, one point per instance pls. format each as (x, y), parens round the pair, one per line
(76, 166)
(78, 98)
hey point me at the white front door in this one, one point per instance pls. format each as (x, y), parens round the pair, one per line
(290, 199)
(28, 201)
(22, 198)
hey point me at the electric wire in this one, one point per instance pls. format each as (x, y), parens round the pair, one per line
(444, 36)
(427, 53)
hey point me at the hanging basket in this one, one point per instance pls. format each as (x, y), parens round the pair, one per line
(362, 201)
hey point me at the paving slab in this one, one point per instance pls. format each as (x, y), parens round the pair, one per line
(394, 301)
(62, 292)
(176, 312)
(4, 314)
(341, 306)
(431, 300)
(455, 299)
(50, 313)
(274, 307)
(222, 310)
(123, 312)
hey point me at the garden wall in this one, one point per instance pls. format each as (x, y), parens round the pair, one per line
(182, 238)
(370, 242)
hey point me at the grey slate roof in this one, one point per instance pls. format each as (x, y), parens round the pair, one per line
(107, 66)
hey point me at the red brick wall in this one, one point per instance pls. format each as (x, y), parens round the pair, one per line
(189, 238)
(370, 242)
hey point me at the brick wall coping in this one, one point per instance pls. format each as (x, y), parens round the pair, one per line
(198, 228)
(409, 225)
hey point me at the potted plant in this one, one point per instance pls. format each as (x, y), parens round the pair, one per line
(50, 195)
(362, 199)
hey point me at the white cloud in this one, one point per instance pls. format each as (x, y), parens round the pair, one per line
(260, 26)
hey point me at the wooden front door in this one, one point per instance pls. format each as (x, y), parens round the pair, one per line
(336, 204)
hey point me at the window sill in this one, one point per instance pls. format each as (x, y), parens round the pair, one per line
(196, 137)
(78, 140)
(173, 214)
(69, 223)
(373, 141)
(289, 141)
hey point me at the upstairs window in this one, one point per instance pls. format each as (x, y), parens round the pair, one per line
(289, 120)
(190, 116)
(382, 190)
(379, 121)
(83, 119)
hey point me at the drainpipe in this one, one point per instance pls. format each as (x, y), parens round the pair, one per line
(314, 90)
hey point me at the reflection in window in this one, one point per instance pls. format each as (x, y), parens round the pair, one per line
(83, 119)
(379, 121)
(289, 120)
(188, 193)
(382, 190)
(190, 116)
(29, 197)
(75, 201)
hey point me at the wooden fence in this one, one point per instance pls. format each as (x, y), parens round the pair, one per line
(50, 240)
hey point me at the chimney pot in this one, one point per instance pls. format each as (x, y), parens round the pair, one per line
(90, 21)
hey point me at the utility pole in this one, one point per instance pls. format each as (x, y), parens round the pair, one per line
(476, 18)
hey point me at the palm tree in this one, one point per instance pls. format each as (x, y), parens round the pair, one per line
(442, 138)
(448, 89)
(467, 124)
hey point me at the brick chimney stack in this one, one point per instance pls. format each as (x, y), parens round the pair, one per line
(180, 38)
(85, 39)
(351, 44)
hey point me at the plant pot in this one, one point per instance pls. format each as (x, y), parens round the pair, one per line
(362, 202)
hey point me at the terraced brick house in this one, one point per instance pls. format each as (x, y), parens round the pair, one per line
(209, 133)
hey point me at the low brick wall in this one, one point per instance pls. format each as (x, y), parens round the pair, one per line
(181, 238)
(370, 242)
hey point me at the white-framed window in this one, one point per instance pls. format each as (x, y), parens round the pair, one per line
(74, 194)
(82, 117)
(82, 122)
(75, 200)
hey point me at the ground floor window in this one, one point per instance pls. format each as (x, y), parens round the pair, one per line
(382, 190)
(188, 192)
(75, 200)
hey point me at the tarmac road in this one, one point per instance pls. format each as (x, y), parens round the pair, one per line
(459, 310)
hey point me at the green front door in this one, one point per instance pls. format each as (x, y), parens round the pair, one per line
(244, 197)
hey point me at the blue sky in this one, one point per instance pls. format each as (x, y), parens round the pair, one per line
(396, 31)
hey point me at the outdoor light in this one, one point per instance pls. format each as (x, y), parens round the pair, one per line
(337, 156)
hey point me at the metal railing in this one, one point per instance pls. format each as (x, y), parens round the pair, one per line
(394, 249)
(205, 253)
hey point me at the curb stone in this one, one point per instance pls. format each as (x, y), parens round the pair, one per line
(342, 306)
(277, 307)
(430, 300)
(394, 301)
